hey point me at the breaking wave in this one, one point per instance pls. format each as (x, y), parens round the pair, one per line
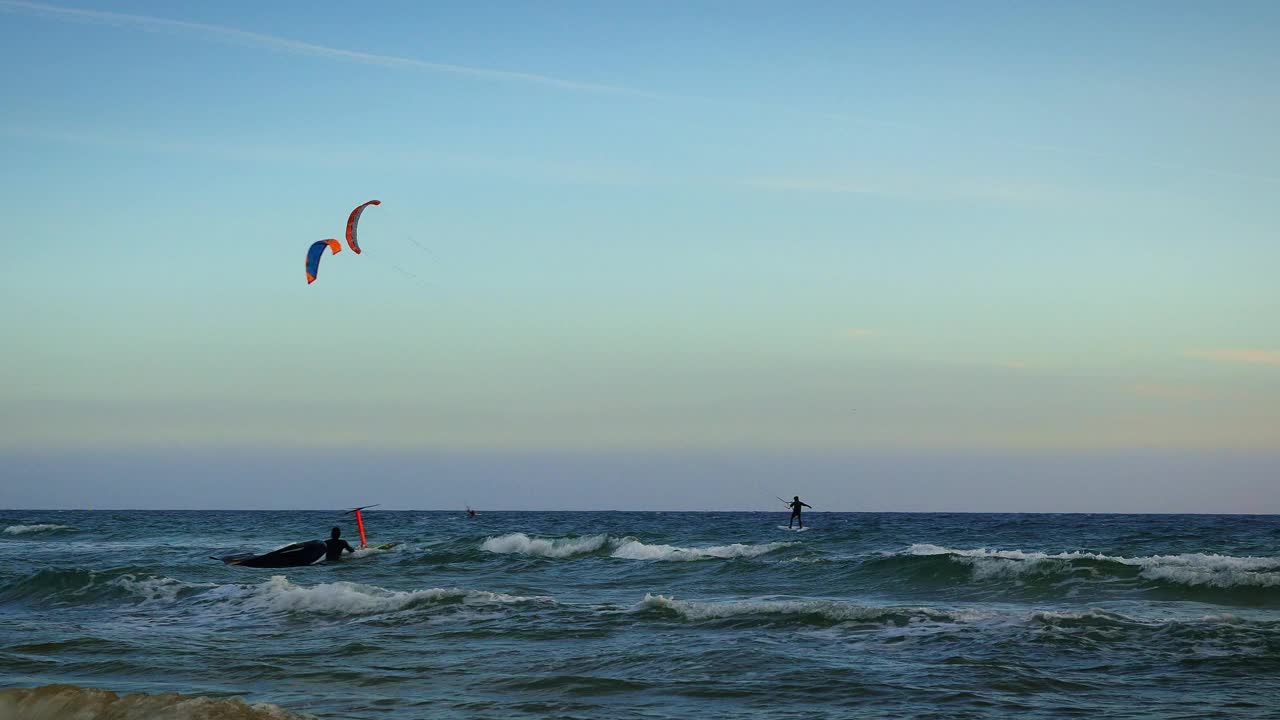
(79, 586)
(521, 544)
(1192, 569)
(1249, 641)
(1088, 625)
(627, 548)
(280, 595)
(277, 594)
(38, 528)
(635, 550)
(62, 702)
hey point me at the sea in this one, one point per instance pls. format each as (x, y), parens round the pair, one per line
(124, 615)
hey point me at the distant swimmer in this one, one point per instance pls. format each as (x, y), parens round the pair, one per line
(335, 545)
(795, 506)
(471, 513)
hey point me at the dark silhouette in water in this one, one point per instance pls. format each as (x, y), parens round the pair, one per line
(335, 545)
(295, 555)
(795, 506)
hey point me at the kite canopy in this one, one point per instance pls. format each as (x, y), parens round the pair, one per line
(313, 256)
(354, 220)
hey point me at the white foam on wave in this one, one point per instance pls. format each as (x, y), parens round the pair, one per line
(1188, 569)
(93, 584)
(627, 548)
(1216, 577)
(1053, 617)
(521, 544)
(1099, 616)
(636, 550)
(365, 552)
(280, 595)
(829, 609)
(839, 611)
(155, 589)
(41, 527)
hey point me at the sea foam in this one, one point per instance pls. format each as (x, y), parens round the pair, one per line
(1223, 571)
(521, 544)
(154, 589)
(88, 586)
(627, 548)
(344, 598)
(42, 527)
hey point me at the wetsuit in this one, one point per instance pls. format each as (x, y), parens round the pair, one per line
(795, 512)
(334, 548)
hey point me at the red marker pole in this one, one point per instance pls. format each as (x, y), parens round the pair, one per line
(360, 524)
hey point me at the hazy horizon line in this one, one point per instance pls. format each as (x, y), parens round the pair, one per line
(685, 512)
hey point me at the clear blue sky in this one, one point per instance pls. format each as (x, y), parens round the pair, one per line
(710, 228)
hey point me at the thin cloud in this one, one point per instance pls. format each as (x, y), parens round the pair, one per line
(858, 333)
(1253, 357)
(297, 47)
(993, 191)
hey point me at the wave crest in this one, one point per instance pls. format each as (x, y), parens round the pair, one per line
(1221, 571)
(153, 589)
(627, 548)
(37, 528)
(521, 544)
(344, 598)
(84, 586)
(635, 550)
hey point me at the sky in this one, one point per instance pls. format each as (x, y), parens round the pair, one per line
(908, 256)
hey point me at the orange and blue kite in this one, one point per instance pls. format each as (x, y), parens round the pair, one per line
(313, 256)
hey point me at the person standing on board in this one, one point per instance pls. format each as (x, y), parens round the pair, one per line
(795, 506)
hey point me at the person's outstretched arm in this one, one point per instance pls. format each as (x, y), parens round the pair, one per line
(807, 505)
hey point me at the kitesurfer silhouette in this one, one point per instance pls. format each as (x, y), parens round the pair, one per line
(335, 545)
(795, 506)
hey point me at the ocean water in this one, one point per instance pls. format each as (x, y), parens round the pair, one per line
(642, 615)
